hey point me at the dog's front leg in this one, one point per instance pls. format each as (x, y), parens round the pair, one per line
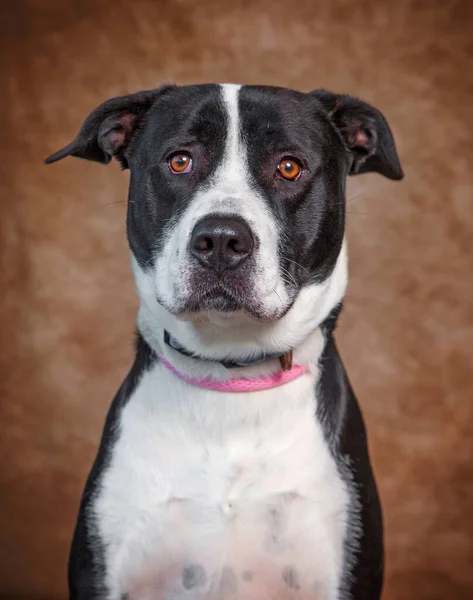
(86, 573)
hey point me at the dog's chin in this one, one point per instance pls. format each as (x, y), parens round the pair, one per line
(219, 303)
(224, 307)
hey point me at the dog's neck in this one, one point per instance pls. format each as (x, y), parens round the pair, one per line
(305, 355)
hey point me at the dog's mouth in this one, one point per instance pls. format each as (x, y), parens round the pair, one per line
(220, 298)
(217, 300)
(228, 300)
(229, 294)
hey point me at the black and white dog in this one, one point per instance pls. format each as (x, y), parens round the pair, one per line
(234, 462)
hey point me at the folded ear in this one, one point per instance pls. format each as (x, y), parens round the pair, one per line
(108, 129)
(366, 134)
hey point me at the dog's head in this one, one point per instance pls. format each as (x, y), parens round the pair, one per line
(237, 203)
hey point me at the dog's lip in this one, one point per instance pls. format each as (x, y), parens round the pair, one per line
(217, 298)
(220, 303)
(221, 298)
(256, 313)
(191, 313)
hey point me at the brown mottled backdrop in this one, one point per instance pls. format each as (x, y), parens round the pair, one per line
(67, 301)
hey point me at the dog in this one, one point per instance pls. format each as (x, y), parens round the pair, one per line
(234, 461)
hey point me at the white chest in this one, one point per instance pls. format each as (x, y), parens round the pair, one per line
(213, 496)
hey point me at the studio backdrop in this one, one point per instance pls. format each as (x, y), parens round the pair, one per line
(67, 302)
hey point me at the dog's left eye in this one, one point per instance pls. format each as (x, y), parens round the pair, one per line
(289, 169)
(180, 163)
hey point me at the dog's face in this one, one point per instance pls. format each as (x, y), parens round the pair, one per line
(237, 193)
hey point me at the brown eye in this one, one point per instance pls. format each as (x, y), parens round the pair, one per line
(180, 163)
(289, 169)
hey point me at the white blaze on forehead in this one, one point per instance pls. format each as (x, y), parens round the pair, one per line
(233, 168)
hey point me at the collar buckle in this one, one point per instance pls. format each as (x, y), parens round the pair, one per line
(286, 361)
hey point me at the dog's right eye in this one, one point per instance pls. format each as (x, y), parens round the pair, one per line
(180, 163)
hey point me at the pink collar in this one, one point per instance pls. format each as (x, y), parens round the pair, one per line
(242, 384)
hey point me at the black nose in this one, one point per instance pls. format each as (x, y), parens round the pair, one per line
(221, 243)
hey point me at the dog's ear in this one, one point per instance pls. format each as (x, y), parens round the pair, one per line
(108, 129)
(365, 132)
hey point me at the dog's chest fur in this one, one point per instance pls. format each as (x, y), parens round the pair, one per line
(221, 496)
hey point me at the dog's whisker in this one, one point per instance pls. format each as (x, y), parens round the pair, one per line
(286, 272)
(111, 203)
(355, 197)
(299, 265)
(280, 299)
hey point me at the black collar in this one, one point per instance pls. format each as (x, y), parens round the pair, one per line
(285, 358)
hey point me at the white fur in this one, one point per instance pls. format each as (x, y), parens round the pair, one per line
(226, 481)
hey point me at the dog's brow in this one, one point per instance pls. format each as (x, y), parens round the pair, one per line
(180, 143)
